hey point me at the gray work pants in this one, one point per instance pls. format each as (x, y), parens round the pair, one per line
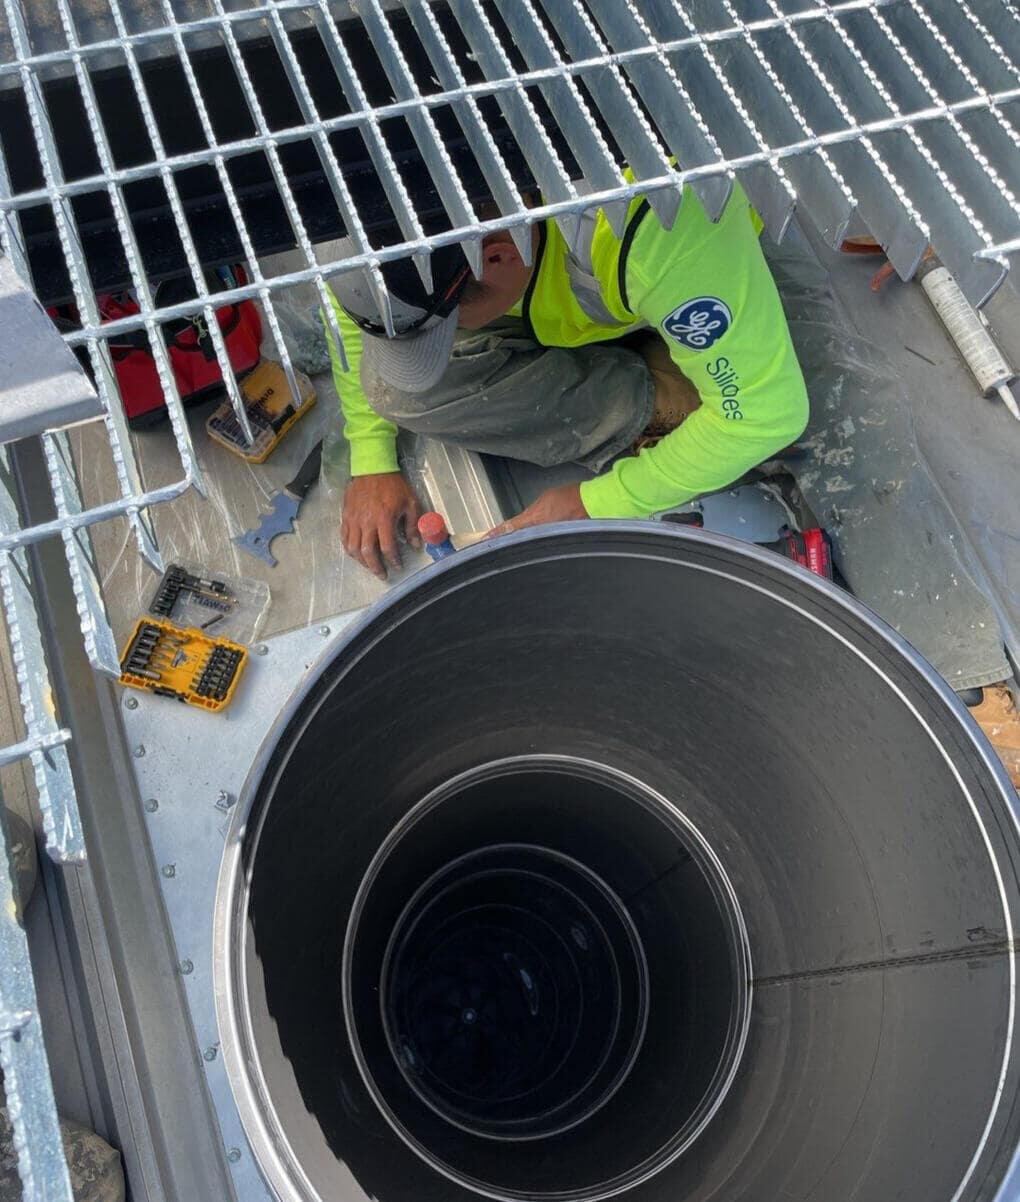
(858, 464)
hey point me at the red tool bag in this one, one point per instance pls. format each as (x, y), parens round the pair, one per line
(189, 346)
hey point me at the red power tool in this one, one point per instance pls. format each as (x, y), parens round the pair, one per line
(812, 549)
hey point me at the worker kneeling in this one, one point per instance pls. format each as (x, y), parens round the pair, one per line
(660, 360)
(664, 362)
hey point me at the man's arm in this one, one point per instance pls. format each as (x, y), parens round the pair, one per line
(378, 497)
(708, 292)
(372, 439)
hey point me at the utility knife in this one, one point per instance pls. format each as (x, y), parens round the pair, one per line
(284, 509)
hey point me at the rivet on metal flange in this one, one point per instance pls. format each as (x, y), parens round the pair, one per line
(169, 869)
(233, 1155)
(209, 1054)
(324, 631)
(139, 751)
(131, 703)
(260, 649)
(150, 805)
(186, 967)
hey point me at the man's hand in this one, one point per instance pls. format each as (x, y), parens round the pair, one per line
(560, 504)
(374, 509)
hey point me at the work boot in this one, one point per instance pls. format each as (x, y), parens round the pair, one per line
(675, 397)
(667, 413)
(998, 718)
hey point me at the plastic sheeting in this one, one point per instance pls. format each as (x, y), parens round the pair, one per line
(860, 470)
(312, 580)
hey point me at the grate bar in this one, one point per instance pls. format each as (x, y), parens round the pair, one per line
(341, 196)
(95, 627)
(233, 203)
(612, 93)
(451, 78)
(123, 455)
(962, 171)
(27, 1084)
(44, 739)
(883, 204)
(980, 177)
(259, 12)
(129, 478)
(12, 242)
(920, 171)
(298, 132)
(393, 185)
(389, 174)
(26, 536)
(24, 749)
(832, 138)
(211, 323)
(768, 186)
(818, 183)
(564, 99)
(969, 23)
(683, 126)
(520, 114)
(423, 127)
(999, 137)
(1000, 250)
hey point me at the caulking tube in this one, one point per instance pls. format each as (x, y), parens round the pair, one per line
(967, 330)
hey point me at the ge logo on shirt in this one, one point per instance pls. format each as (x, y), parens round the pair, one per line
(698, 323)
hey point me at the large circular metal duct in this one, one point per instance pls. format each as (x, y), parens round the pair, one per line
(617, 860)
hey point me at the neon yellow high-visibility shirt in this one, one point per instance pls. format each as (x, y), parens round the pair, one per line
(706, 289)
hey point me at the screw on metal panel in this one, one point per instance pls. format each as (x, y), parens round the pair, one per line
(260, 649)
(324, 631)
(224, 800)
(150, 805)
(139, 751)
(233, 1155)
(169, 869)
(209, 1053)
(131, 703)
(186, 967)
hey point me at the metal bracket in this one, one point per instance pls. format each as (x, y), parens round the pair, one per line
(42, 384)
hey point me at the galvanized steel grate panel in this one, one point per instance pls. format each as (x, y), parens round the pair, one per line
(141, 139)
(27, 1086)
(147, 139)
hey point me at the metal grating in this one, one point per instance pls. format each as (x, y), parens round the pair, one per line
(143, 140)
(147, 139)
(27, 1086)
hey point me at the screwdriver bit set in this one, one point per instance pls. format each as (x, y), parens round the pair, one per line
(271, 411)
(178, 582)
(187, 665)
(192, 596)
(219, 672)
